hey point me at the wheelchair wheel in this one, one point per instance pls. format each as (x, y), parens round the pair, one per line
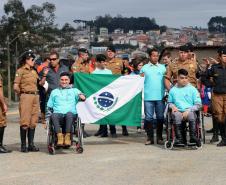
(79, 149)
(203, 130)
(79, 133)
(51, 139)
(169, 145)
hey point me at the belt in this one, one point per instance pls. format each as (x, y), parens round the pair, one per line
(29, 92)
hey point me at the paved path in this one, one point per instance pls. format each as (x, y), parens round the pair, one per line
(120, 161)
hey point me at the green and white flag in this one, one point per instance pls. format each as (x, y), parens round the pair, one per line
(111, 99)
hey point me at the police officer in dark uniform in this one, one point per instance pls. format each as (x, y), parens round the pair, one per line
(25, 85)
(217, 76)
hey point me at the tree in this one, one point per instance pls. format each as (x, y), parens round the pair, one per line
(132, 23)
(67, 28)
(217, 24)
(38, 20)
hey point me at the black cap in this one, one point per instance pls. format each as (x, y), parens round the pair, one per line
(184, 48)
(26, 55)
(190, 46)
(100, 58)
(111, 48)
(222, 50)
(83, 50)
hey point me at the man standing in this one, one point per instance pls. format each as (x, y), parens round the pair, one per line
(82, 64)
(217, 75)
(183, 62)
(42, 91)
(3, 111)
(153, 96)
(116, 66)
(63, 102)
(51, 74)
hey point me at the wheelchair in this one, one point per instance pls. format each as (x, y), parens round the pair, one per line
(76, 131)
(171, 135)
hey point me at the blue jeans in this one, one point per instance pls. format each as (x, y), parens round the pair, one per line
(154, 106)
(63, 120)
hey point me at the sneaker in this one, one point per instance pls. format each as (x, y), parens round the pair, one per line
(160, 142)
(4, 150)
(214, 139)
(149, 142)
(222, 143)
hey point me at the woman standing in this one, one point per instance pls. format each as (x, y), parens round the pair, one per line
(137, 64)
(25, 85)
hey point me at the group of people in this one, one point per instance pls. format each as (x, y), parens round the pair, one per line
(48, 86)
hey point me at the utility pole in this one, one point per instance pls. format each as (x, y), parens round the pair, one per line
(9, 72)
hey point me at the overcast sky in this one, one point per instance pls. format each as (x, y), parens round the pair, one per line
(173, 13)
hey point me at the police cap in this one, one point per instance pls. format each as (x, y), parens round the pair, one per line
(184, 48)
(222, 50)
(26, 55)
(83, 50)
(111, 48)
(190, 46)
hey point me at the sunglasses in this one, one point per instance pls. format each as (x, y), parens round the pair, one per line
(53, 59)
(28, 58)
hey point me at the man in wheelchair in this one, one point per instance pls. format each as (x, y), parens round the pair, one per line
(184, 101)
(62, 107)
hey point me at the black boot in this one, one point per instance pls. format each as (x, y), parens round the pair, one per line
(159, 132)
(23, 136)
(2, 148)
(150, 133)
(113, 131)
(31, 146)
(124, 131)
(184, 132)
(215, 137)
(104, 131)
(178, 134)
(100, 130)
(192, 133)
(85, 134)
(222, 133)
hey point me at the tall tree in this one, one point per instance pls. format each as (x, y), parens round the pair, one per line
(38, 20)
(217, 24)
